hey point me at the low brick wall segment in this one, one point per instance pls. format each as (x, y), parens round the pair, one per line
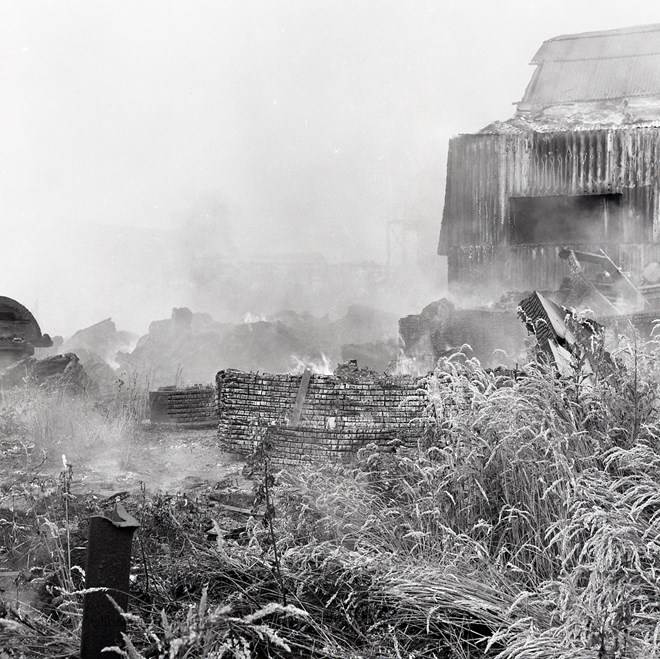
(190, 406)
(339, 415)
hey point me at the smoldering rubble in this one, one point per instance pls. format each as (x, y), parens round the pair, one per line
(188, 347)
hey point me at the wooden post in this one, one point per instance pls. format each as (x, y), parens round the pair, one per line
(300, 398)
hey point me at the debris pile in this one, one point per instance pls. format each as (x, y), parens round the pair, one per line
(191, 347)
(379, 356)
(493, 335)
(59, 371)
(101, 339)
(567, 340)
(606, 290)
(596, 300)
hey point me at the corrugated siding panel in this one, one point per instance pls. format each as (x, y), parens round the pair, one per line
(526, 267)
(472, 191)
(485, 171)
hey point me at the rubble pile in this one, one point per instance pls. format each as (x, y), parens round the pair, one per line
(336, 415)
(102, 339)
(379, 356)
(597, 301)
(189, 347)
(96, 348)
(58, 371)
(493, 335)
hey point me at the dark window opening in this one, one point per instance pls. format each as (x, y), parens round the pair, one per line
(8, 315)
(561, 219)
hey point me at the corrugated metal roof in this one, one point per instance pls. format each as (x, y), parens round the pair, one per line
(594, 66)
(594, 80)
(628, 42)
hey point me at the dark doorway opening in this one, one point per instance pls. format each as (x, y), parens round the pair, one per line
(559, 219)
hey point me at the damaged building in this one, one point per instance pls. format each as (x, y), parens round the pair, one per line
(575, 167)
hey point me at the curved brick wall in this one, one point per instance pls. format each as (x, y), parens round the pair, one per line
(339, 415)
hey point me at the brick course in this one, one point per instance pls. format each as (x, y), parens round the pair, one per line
(189, 406)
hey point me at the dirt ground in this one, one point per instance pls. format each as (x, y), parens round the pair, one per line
(163, 458)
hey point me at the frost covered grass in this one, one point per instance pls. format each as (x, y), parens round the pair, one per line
(524, 524)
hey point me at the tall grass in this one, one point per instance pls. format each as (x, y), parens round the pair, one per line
(55, 422)
(526, 521)
(44, 434)
(524, 524)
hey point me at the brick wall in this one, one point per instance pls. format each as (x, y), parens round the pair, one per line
(339, 414)
(190, 406)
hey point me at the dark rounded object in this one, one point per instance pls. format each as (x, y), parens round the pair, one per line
(16, 322)
(20, 333)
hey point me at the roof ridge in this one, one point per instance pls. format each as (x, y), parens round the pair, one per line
(634, 29)
(655, 53)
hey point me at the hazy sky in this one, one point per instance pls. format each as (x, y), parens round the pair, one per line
(309, 122)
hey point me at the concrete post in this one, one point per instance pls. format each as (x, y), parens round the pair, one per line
(108, 566)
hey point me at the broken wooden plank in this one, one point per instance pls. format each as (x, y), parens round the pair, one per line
(300, 398)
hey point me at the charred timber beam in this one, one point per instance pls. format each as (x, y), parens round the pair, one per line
(300, 397)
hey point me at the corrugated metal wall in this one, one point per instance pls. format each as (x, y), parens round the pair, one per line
(527, 267)
(485, 171)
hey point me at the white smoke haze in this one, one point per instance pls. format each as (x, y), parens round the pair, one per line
(148, 146)
(320, 366)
